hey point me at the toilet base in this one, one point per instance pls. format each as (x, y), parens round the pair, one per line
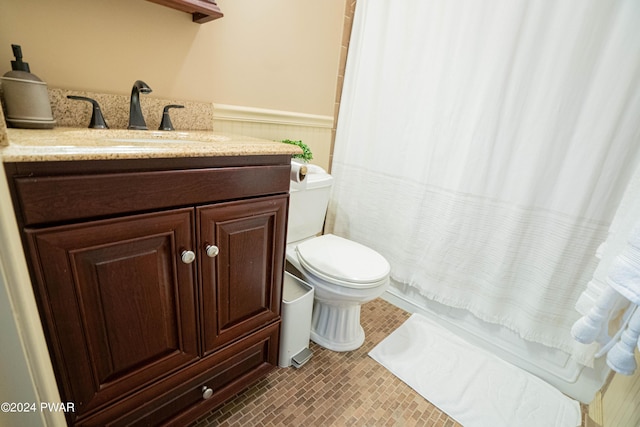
(336, 326)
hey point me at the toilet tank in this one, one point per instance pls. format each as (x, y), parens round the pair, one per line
(308, 204)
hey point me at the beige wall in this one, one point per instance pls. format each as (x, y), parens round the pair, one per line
(277, 54)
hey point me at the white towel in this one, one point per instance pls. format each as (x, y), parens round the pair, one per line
(623, 280)
(626, 216)
(471, 385)
(624, 274)
(593, 326)
(614, 284)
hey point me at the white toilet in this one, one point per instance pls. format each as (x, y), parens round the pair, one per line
(343, 273)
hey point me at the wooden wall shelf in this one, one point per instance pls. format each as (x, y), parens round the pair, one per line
(201, 10)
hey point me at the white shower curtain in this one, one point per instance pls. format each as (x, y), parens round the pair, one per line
(483, 146)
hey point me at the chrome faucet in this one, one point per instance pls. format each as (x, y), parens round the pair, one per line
(136, 119)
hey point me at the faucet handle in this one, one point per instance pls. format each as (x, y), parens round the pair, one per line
(97, 120)
(166, 120)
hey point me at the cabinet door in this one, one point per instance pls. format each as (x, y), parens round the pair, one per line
(118, 303)
(241, 286)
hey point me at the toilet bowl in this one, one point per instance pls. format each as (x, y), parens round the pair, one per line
(344, 274)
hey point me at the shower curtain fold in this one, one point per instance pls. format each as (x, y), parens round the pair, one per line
(483, 146)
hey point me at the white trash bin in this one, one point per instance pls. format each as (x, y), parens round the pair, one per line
(297, 304)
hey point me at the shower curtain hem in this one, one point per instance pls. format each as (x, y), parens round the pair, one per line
(584, 358)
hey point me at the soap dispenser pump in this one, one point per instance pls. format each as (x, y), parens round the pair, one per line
(25, 95)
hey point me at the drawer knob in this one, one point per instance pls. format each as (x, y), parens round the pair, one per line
(212, 251)
(188, 257)
(206, 392)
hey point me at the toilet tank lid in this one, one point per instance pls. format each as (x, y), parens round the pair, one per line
(316, 177)
(343, 259)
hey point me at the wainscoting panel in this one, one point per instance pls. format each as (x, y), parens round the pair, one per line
(313, 130)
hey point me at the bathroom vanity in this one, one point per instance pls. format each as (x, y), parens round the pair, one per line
(158, 278)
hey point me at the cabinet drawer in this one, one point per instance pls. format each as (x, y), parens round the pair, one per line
(226, 372)
(72, 197)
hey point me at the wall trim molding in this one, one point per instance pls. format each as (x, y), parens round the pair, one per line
(261, 115)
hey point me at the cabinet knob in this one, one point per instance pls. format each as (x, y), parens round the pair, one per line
(188, 257)
(206, 392)
(212, 251)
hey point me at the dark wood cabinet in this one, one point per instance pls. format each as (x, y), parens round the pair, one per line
(240, 283)
(121, 308)
(160, 299)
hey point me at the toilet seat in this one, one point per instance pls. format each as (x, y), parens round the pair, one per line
(343, 262)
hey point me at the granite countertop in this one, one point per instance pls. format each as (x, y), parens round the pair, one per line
(63, 144)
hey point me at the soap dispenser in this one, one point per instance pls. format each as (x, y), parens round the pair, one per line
(25, 96)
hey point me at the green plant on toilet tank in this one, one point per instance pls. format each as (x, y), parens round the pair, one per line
(306, 155)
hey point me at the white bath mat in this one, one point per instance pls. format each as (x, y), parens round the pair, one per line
(471, 385)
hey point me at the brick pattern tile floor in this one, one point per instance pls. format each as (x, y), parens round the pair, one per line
(334, 389)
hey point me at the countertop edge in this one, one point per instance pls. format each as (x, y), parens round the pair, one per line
(71, 144)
